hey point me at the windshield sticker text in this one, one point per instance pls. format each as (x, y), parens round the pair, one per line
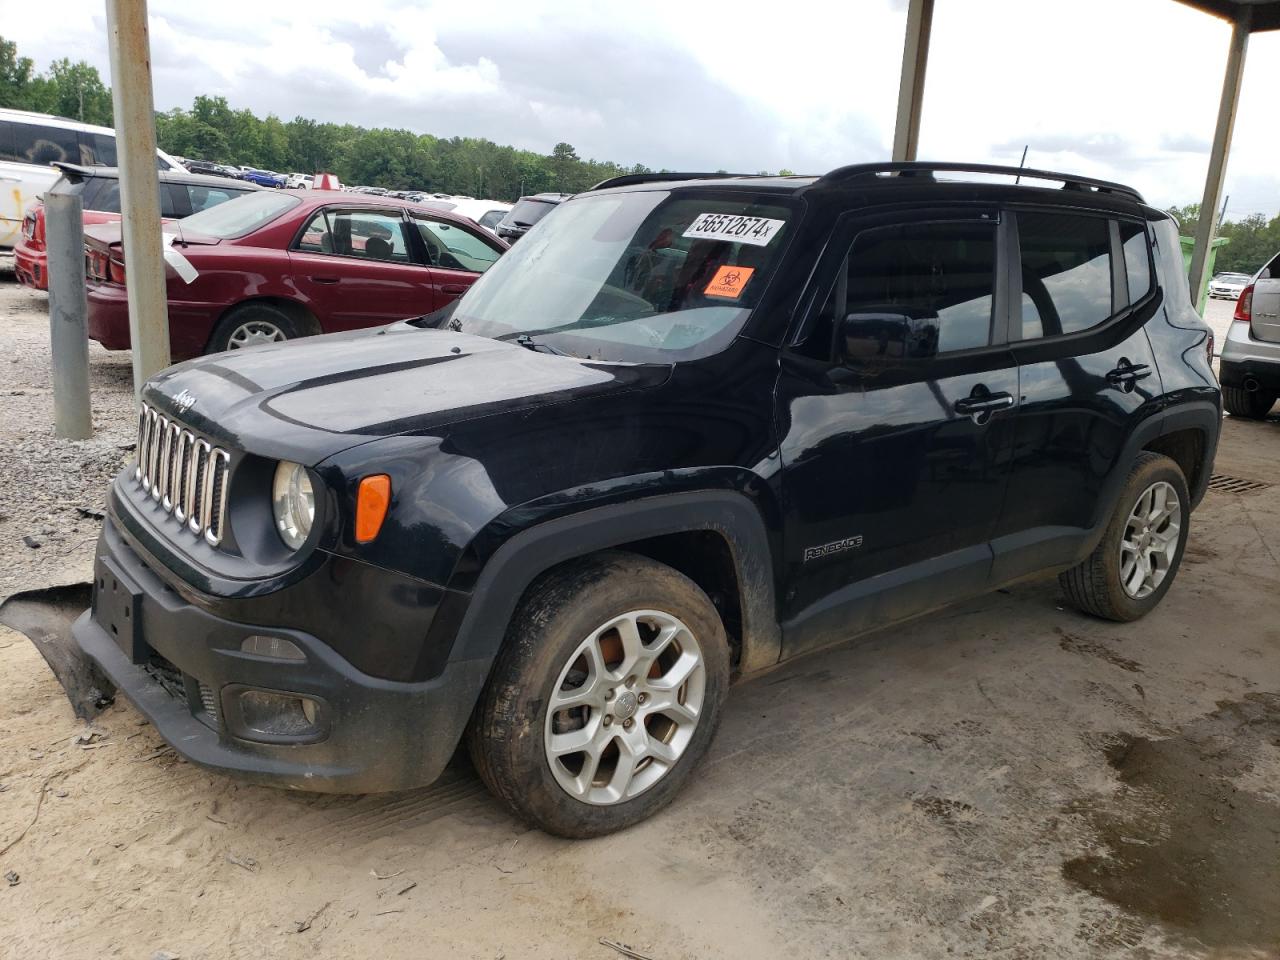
(729, 282)
(757, 231)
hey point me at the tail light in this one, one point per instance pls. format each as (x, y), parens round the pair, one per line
(29, 226)
(1244, 306)
(115, 271)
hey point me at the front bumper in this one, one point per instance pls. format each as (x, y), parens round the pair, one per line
(183, 668)
(1246, 360)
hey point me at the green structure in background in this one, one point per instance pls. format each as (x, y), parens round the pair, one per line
(1188, 248)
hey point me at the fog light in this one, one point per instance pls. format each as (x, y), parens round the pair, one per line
(277, 714)
(277, 647)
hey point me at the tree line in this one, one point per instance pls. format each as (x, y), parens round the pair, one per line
(401, 159)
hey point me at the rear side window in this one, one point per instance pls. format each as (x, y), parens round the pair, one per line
(104, 195)
(40, 145)
(202, 197)
(97, 149)
(367, 234)
(1066, 273)
(1137, 259)
(1272, 270)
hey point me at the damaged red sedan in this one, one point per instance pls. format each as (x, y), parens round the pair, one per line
(274, 266)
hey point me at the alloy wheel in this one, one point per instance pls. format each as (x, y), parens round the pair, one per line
(625, 707)
(1149, 544)
(253, 333)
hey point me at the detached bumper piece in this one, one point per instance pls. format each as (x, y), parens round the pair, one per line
(272, 706)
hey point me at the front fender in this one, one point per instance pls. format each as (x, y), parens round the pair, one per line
(480, 615)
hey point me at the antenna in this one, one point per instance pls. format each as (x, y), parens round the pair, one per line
(1022, 163)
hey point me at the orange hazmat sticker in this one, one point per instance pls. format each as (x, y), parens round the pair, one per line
(729, 282)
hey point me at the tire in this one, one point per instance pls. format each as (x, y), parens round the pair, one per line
(1103, 584)
(250, 325)
(516, 730)
(1254, 404)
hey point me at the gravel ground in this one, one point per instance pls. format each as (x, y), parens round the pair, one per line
(45, 483)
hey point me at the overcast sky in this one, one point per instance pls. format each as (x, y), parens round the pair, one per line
(1124, 89)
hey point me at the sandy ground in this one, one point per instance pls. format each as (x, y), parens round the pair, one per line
(1004, 779)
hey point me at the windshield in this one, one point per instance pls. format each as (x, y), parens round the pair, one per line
(242, 215)
(649, 276)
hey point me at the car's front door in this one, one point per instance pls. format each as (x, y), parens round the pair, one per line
(1082, 287)
(457, 256)
(357, 268)
(896, 411)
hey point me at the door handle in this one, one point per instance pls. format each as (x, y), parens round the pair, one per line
(981, 406)
(454, 288)
(1126, 374)
(325, 279)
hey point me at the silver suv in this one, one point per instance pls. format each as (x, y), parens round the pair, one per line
(1250, 369)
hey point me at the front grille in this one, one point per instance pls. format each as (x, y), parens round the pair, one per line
(184, 472)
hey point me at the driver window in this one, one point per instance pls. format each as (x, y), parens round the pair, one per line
(941, 276)
(452, 247)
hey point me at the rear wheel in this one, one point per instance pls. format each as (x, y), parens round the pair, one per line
(252, 325)
(605, 696)
(1134, 564)
(1254, 404)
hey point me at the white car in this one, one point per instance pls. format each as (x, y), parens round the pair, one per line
(1228, 286)
(30, 142)
(299, 181)
(485, 213)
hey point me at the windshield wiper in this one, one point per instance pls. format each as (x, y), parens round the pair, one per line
(536, 346)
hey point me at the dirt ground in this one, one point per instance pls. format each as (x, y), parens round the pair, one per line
(1005, 779)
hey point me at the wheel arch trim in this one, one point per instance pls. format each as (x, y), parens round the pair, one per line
(531, 552)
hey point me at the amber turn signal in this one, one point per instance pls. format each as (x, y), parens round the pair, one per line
(371, 506)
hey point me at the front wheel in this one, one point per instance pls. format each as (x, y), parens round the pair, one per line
(605, 696)
(1134, 564)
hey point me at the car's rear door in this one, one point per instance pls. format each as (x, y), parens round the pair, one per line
(457, 256)
(357, 267)
(1083, 288)
(895, 449)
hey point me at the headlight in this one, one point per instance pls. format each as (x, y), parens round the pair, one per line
(294, 503)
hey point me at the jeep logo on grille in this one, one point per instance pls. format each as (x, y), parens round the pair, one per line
(184, 401)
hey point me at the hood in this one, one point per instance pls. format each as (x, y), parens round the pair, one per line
(312, 398)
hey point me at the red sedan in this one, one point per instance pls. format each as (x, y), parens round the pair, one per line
(273, 266)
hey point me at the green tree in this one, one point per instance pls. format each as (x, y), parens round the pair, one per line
(76, 90)
(16, 74)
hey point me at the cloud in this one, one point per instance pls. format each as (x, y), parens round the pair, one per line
(676, 84)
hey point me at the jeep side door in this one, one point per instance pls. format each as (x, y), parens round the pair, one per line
(896, 409)
(1083, 286)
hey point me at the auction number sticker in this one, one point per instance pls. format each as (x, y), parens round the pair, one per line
(757, 231)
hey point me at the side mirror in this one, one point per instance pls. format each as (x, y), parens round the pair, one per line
(875, 341)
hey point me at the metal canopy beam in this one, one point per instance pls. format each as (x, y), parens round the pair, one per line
(1207, 225)
(130, 50)
(915, 58)
(1265, 13)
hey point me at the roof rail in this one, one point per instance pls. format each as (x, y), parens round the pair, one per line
(627, 179)
(927, 169)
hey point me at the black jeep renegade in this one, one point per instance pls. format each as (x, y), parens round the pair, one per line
(687, 428)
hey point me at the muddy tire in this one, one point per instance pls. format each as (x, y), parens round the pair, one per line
(605, 695)
(1254, 404)
(1134, 564)
(252, 325)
